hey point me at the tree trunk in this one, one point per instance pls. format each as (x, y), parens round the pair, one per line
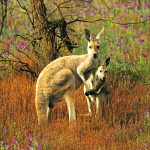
(46, 32)
(3, 14)
(53, 33)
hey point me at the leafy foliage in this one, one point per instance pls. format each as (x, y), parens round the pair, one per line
(126, 33)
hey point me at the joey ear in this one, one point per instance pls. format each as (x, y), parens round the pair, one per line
(99, 34)
(107, 61)
(87, 34)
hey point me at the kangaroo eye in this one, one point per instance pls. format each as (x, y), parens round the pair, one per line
(90, 47)
(105, 71)
(100, 71)
(98, 46)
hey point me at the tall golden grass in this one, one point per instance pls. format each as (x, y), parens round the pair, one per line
(18, 120)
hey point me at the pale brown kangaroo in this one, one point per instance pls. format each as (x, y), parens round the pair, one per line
(98, 85)
(63, 76)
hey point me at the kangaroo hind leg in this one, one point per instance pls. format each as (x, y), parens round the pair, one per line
(69, 95)
(69, 98)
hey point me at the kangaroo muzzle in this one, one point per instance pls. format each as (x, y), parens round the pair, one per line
(95, 55)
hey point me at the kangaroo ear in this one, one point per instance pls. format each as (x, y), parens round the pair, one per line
(107, 61)
(87, 34)
(99, 34)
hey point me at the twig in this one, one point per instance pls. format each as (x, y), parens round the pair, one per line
(26, 54)
(26, 10)
(18, 35)
(103, 19)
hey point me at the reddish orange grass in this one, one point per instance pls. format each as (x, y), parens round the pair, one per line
(18, 118)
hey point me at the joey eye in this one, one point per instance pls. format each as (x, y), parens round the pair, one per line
(100, 71)
(106, 71)
(90, 47)
(97, 46)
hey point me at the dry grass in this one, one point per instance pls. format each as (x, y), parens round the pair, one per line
(18, 119)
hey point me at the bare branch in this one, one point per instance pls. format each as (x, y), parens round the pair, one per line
(143, 21)
(104, 19)
(65, 2)
(59, 10)
(18, 35)
(52, 12)
(26, 10)
(25, 67)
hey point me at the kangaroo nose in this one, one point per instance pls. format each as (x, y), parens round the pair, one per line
(94, 55)
(104, 79)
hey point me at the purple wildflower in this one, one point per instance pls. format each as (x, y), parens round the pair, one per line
(146, 5)
(7, 53)
(147, 146)
(14, 142)
(148, 17)
(86, 3)
(117, 2)
(38, 145)
(134, 2)
(119, 21)
(30, 133)
(127, 26)
(141, 148)
(141, 16)
(119, 44)
(21, 45)
(141, 33)
(145, 55)
(30, 143)
(125, 4)
(92, 12)
(141, 41)
(87, 12)
(138, 7)
(112, 4)
(9, 38)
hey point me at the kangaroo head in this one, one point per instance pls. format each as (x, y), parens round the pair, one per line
(93, 42)
(102, 70)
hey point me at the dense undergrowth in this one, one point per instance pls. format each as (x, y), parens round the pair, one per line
(19, 129)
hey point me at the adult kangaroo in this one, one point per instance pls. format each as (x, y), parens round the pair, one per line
(63, 76)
